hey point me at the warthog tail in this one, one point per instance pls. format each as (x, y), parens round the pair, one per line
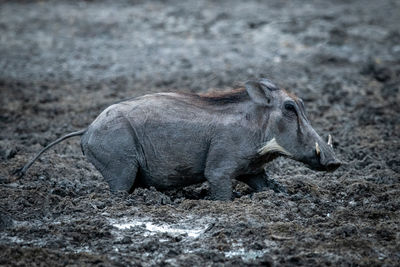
(21, 172)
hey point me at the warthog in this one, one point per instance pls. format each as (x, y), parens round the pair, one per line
(170, 140)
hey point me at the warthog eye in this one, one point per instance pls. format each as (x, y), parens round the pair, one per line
(289, 106)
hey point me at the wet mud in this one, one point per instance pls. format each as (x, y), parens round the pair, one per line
(63, 62)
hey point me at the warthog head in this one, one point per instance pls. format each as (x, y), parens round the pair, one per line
(287, 128)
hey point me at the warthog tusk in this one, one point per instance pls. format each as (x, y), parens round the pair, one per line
(330, 141)
(317, 149)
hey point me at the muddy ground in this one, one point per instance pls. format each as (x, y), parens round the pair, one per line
(63, 62)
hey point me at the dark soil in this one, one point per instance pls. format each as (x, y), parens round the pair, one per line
(63, 62)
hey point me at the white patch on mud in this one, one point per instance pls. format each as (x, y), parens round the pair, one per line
(151, 228)
(83, 249)
(246, 255)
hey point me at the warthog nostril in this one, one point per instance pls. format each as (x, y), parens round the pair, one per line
(332, 165)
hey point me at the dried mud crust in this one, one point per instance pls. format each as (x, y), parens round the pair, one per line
(63, 62)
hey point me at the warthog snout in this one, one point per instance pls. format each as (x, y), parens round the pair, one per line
(333, 165)
(326, 156)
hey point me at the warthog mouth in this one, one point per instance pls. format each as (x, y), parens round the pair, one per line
(322, 160)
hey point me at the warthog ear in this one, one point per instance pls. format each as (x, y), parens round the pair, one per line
(260, 91)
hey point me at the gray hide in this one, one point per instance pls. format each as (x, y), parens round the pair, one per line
(170, 140)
